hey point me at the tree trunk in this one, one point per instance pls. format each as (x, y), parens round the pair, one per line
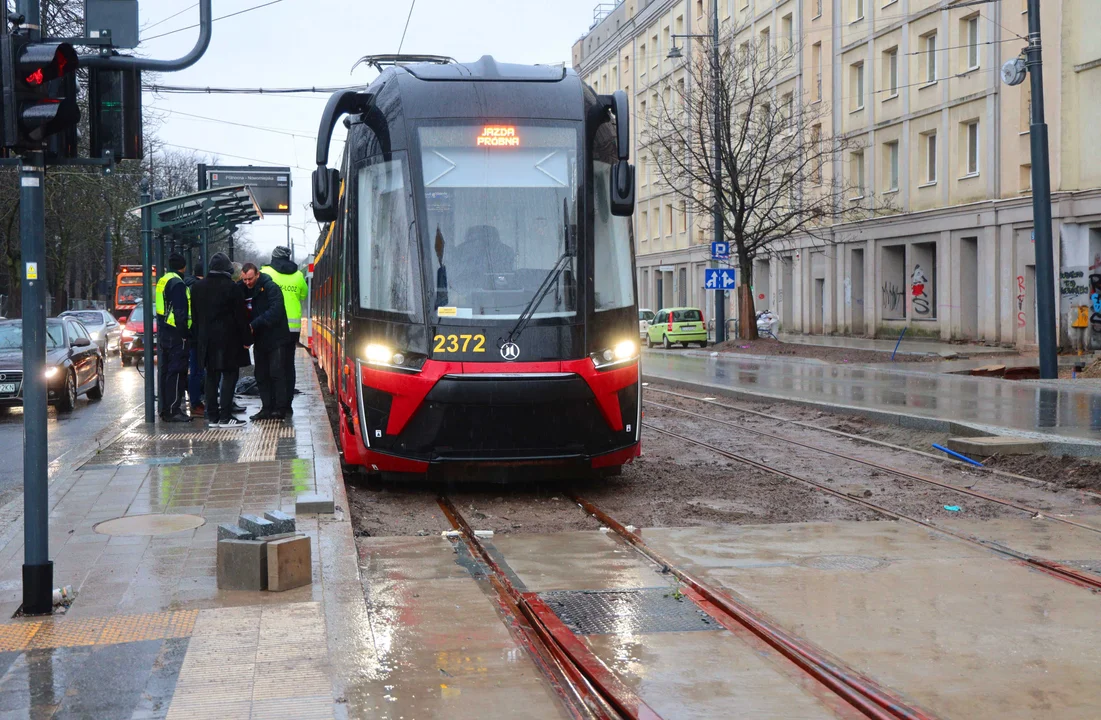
(747, 314)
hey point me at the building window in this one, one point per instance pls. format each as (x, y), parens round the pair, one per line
(892, 166)
(1026, 178)
(668, 219)
(858, 10)
(857, 86)
(657, 52)
(766, 44)
(890, 61)
(682, 214)
(644, 223)
(642, 54)
(679, 25)
(971, 33)
(929, 57)
(787, 109)
(816, 61)
(817, 8)
(856, 161)
(931, 158)
(816, 152)
(788, 29)
(972, 140)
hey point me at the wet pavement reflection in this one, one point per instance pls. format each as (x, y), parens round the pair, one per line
(981, 402)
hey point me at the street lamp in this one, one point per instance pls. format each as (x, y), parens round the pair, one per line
(717, 213)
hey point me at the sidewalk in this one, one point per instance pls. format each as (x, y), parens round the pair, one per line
(908, 346)
(1068, 421)
(150, 635)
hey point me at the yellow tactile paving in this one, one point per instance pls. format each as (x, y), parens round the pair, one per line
(97, 631)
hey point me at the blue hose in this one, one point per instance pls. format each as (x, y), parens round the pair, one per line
(956, 455)
(897, 344)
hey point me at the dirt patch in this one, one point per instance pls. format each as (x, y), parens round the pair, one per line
(1064, 471)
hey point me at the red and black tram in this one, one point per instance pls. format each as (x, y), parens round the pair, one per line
(473, 292)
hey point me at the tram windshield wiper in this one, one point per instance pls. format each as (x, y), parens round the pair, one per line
(549, 281)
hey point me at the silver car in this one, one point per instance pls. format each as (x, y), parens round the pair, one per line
(103, 328)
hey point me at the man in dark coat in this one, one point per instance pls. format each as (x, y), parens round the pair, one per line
(221, 333)
(271, 341)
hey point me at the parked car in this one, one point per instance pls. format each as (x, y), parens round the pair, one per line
(645, 317)
(74, 364)
(104, 329)
(677, 325)
(133, 341)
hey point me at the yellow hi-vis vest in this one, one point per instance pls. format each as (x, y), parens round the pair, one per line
(161, 304)
(294, 290)
(1081, 318)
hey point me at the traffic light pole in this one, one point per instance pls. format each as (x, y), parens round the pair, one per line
(147, 299)
(37, 567)
(1041, 203)
(717, 213)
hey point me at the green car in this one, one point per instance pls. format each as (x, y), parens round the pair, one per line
(677, 325)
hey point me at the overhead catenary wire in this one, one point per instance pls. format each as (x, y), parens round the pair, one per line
(173, 15)
(409, 17)
(223, 17)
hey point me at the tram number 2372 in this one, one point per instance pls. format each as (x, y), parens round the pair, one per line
(459, 343)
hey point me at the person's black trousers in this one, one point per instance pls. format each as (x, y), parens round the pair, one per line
(219, 387)
(289, 352)
(173, 372)
(270, 380)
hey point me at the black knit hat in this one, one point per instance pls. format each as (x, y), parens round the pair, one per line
(176, 261)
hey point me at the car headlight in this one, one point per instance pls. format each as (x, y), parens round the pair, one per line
(623, 353)
(94, 334)
(51, 372)
(384, 356)
(128, 334)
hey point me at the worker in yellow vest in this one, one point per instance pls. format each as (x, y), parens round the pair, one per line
(1079, 327)
(292, 282)
(173, 303)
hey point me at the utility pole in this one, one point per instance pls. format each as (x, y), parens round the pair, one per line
(109, 279)
(147, 298)
(717, 212)
(1041, 202)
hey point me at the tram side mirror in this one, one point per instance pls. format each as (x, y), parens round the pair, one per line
(326, 186)
(623, 173)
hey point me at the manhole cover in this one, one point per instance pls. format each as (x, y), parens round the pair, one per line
(627, 612)
(149, 524)
(842, 562)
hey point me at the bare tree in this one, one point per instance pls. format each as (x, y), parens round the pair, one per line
(769, 169)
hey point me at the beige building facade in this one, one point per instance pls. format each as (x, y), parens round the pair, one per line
(941, 140)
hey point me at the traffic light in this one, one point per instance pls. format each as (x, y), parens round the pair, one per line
(114, 109)
(39, 86)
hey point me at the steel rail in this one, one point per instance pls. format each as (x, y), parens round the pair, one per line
(1076, 577)
(589, 678)
(860, 691)
(873, 441)
(886, 468)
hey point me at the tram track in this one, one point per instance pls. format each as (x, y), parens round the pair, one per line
(591, 676)
(1084, 492)
(1056, 570)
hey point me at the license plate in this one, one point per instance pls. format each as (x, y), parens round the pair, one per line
(687, 327)
(7, 388)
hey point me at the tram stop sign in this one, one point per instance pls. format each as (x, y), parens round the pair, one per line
(271, 186)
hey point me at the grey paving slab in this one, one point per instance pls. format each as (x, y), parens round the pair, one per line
(971, 405)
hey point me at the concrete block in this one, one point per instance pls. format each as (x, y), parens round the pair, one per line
(256, 525)
(289, 564)
(283, 522)
(242, 565)
(234, 532)
(313, 503)
(995, 445)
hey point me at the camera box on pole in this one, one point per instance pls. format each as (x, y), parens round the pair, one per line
(117, 17)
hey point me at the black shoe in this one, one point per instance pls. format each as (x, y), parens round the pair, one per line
(237, 408)
(278, 415)
(288, 412)
(178, 418)
(232, 423)
(262, 415)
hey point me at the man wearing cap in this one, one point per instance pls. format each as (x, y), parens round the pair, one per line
(290, 280)
(173, 303)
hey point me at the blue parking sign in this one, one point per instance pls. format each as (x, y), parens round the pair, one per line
(720, 278)
(720, 251)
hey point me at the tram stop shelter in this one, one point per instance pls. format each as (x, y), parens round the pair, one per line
(183, 224)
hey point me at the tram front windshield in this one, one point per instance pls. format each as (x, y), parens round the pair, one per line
(501, 203)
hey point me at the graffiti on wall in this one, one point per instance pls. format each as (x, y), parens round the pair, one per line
(918, 281)
(1021, 322)
(892, 296)
(1095, 302)
(1073, 282)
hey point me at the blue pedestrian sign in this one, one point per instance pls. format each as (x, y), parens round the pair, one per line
(720, 278)
(720, 251)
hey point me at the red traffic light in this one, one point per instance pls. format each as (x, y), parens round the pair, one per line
(39, 63)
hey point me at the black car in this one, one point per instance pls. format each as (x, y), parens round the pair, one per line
(74, 364)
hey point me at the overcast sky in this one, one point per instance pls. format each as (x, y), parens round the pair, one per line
(299, 43)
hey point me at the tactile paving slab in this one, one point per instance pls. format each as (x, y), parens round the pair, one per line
(96, 631)
(199, 444)
(627, 612)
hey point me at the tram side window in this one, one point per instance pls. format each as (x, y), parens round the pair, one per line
(387, 243)
(613, 284)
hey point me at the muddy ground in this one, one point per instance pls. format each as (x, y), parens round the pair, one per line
(676, 483)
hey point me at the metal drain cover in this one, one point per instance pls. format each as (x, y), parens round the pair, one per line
(842, 562)
(627, 612)
(149, 524)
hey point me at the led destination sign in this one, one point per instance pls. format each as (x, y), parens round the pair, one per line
(499, 136)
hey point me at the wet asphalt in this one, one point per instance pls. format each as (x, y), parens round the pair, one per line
(69, 433)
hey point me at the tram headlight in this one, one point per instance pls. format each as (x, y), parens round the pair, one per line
(379, 354)
(385, 356)
(621, 354)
